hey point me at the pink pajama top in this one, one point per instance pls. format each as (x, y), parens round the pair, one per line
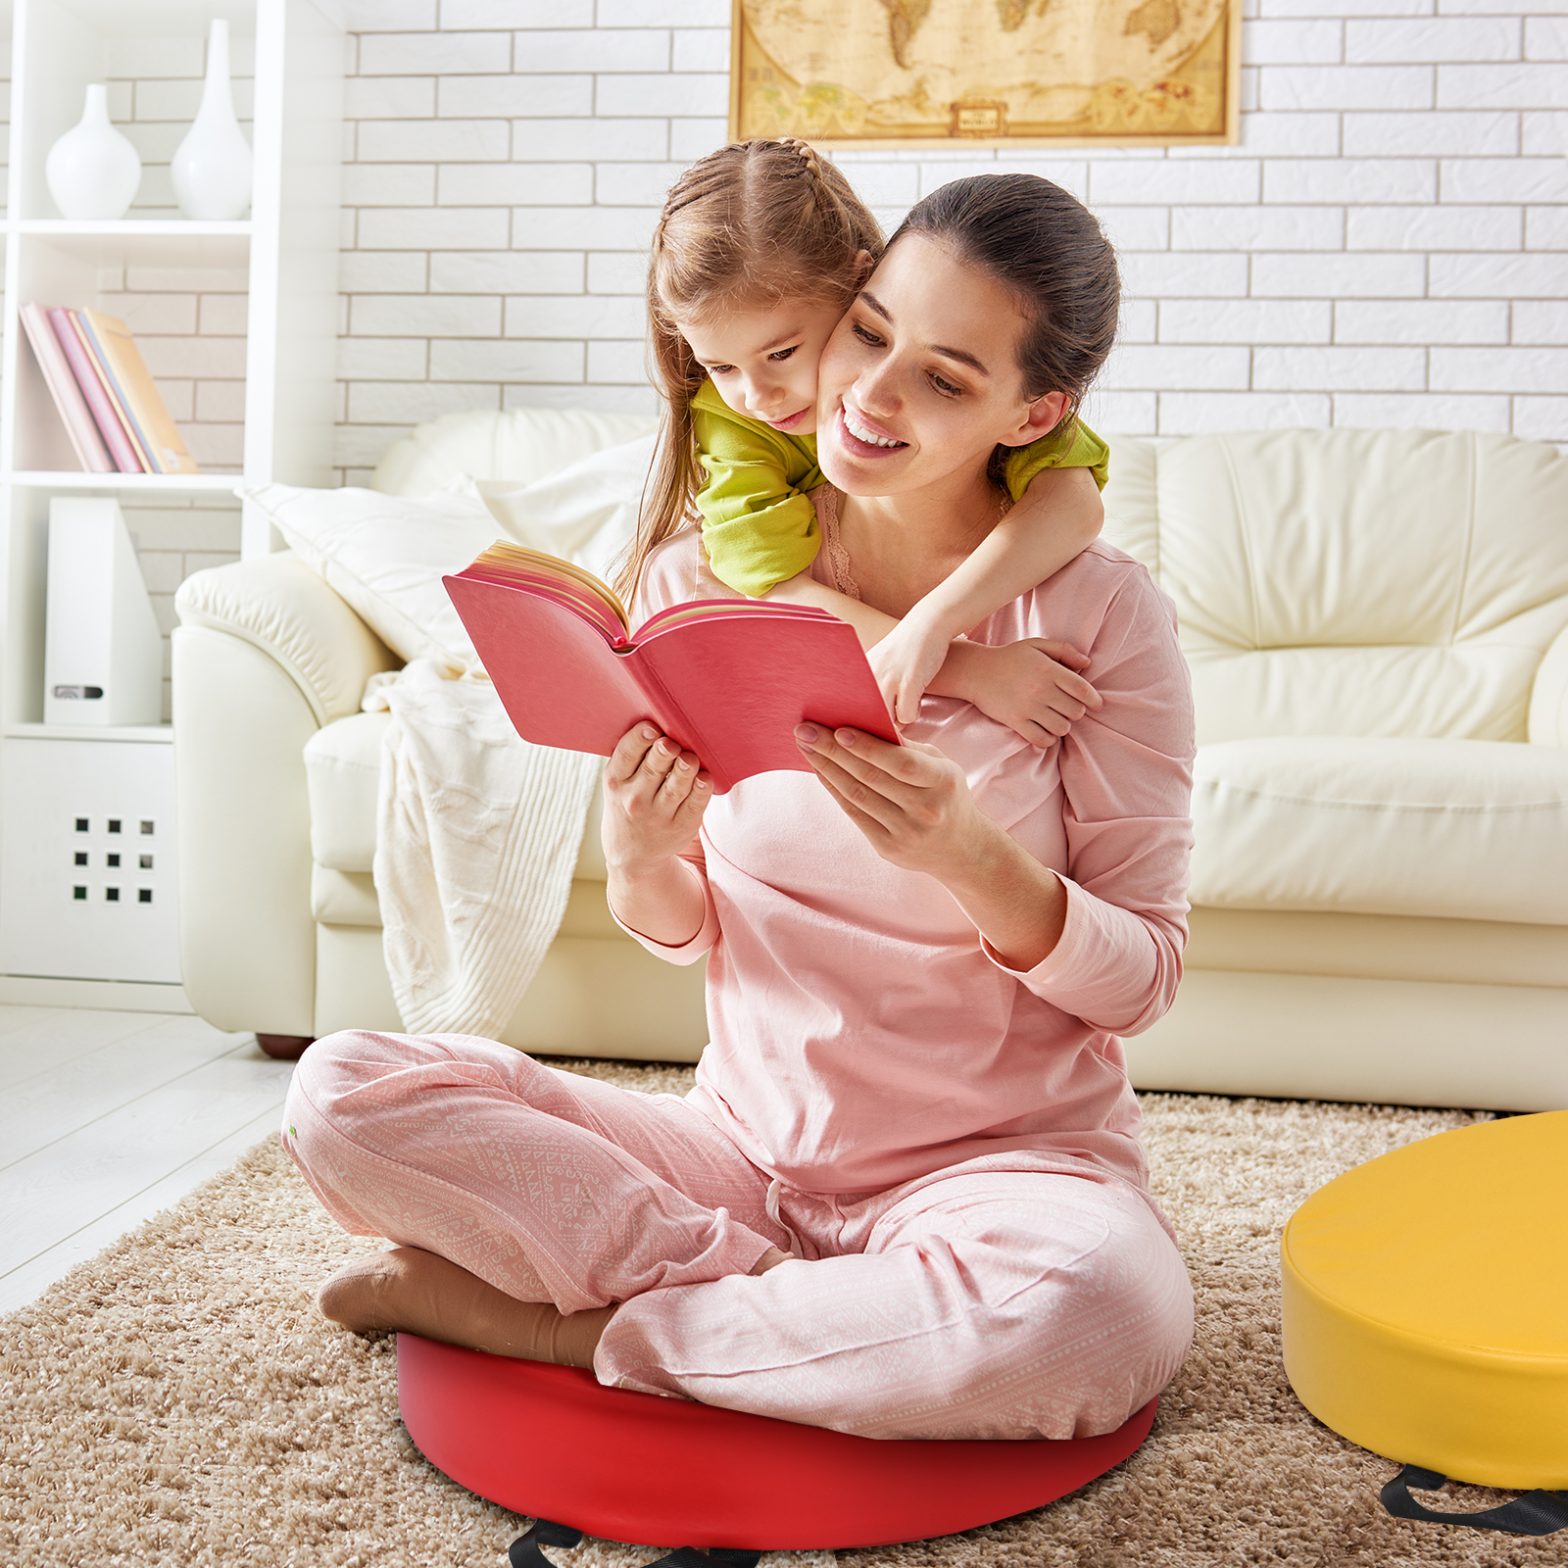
(862, 1032)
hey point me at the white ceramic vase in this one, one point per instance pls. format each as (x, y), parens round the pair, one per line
(93, 171)
(211, 168)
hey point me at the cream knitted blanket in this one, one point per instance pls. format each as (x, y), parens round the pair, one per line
(477, 838)
(478, 830)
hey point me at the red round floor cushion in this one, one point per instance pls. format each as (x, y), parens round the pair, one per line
(553, 1443)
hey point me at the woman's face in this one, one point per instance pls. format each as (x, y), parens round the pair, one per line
(920, 378)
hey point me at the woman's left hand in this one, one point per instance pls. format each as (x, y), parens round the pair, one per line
(912, 801)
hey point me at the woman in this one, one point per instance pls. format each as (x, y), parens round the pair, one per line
(906, 1197)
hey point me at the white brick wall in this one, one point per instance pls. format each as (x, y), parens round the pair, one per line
(1387, 245)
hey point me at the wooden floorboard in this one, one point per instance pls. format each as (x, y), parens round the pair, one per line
(108, 1118)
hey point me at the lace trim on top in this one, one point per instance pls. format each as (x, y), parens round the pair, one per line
(825, 499)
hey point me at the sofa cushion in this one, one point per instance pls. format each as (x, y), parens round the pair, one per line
(349, 898)
(585, 512)
(1352, 582)
(342, 775)
(342, 767)
(386, 555)
(1435, 951)
(516, 444)
(344, 898)
(1457, 828)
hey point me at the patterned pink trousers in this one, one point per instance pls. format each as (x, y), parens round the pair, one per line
(985, 1300)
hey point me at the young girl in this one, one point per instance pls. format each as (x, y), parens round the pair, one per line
(760, 249)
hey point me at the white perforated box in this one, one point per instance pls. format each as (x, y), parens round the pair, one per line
(87, 844)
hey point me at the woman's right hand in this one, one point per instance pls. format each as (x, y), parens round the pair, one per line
(1028, 686)
(654, 798)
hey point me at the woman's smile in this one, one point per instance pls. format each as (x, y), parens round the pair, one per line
(862, 438)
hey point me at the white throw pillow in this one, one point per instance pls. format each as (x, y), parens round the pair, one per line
(385, 556)
(585, 512)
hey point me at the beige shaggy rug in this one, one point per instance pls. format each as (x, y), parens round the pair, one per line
(177, 1402)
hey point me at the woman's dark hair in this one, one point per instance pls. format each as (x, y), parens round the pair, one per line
(1047, 247)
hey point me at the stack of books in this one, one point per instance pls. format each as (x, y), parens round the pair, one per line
(113, 411)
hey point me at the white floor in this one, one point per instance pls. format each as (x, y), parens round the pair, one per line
(108, 1118)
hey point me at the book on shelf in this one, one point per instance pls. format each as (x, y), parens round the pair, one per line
(90, 450)
(729, 679)
(136, 395)
(131, 417)
(91, 385)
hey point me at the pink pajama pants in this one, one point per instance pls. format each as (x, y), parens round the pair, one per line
(985, 1300)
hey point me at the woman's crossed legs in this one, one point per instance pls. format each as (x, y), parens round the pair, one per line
(985, 1300)
(525, 1201)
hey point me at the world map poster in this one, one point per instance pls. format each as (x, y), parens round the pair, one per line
(900, 73)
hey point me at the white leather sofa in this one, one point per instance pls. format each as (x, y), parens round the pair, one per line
(1377, 625)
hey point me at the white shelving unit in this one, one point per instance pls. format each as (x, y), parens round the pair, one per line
(84, 921)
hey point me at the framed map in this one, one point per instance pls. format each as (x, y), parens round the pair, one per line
(935, 73)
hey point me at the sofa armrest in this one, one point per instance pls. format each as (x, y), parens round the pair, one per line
(265, 654)
(1547, 724)
(281, 606)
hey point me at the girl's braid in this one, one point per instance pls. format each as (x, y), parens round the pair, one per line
(700, 181)
(807, 155)
(820, 196)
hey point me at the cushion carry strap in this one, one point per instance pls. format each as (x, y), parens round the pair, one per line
(1535, 1513)
(525, 1550)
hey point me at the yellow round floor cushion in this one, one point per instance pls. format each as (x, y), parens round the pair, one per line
(1425, 1303)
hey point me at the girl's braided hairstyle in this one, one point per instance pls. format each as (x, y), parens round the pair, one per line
(750, 225)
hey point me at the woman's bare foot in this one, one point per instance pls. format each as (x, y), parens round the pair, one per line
(409, 1290)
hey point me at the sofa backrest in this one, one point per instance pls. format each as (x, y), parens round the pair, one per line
(522, 444)
(1352, 582)
(1328, 582)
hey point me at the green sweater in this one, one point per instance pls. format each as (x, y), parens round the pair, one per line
(758, 524)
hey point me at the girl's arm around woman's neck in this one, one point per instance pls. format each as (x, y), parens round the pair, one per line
(959, 674)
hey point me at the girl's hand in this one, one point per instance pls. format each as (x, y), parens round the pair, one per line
(912, 801)
(654, 798)
(905, 662)
(1028, 686)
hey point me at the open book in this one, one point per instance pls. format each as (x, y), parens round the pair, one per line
(727, 678)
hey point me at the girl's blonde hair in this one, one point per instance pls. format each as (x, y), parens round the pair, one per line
(750, 225)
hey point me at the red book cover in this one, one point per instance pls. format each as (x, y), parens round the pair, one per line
(727, 678)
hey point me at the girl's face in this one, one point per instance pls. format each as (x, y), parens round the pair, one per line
(764, 361)
(921, 377)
